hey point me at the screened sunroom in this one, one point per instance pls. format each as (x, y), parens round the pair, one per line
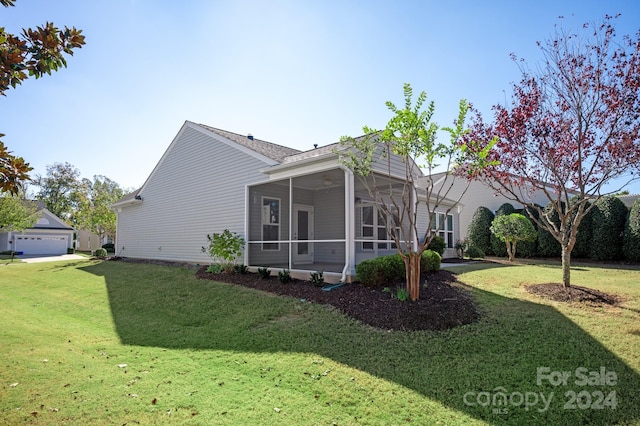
(322, 221)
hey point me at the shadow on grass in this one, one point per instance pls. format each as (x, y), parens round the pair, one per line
(468, 369)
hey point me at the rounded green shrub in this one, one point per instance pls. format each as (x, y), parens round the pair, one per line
(430, 261)
(608, 223)
(101, 253)
(631, 246)
(437, 244)
(474, 252)
(529, 248)
(498, 248)
(479, 232)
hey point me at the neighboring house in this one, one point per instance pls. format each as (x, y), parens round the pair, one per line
(478, 194)
(50, 235)
(628, 199)
(301, 211)
(88, 241)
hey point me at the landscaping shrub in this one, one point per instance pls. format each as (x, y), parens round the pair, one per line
(224, 248)
(529, 248)
(70, 250)
(478, 232)
(101, 253)
(631, 247)
(474, 252)
(608, 223)
(511, 229)
(381, 270)
(430, 261)
(264, 273)
(316, 278)
(437, 244)
(240, 269)
(498, 248)
(547, 245)
(109, 247)
(284, 276)
(583, 240)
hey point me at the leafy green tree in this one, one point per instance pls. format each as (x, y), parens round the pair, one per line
(93, 200)
(59, 190)
(33, 53)
(479, 232)
(411, 135)
(512, 228)
(632, 234)
(16, 214)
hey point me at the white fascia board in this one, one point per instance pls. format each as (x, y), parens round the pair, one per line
(302, 168)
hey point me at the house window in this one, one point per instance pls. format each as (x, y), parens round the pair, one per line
(443, 225)
(374, 226)
(270, 223)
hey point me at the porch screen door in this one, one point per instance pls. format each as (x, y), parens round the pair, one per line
(302, 231)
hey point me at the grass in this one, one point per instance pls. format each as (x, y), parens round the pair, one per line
(113, 343)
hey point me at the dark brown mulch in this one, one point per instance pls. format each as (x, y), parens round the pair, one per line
(441, 305)
(573, 294)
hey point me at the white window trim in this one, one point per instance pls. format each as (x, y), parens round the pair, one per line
(441, 229)
(376, 226)
(263, 224)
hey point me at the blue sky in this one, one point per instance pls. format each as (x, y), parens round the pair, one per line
(295, 72)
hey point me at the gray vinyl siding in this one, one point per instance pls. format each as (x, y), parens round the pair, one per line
(198, 188)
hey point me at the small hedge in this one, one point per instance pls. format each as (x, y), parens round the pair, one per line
(631, 246)
(383, 270)
(479, 233)
(498, 248)
(101, 253)
(607, 227)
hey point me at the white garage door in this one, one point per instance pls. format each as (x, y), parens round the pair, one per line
(41, 244)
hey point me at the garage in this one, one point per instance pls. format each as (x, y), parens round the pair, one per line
(41, 244)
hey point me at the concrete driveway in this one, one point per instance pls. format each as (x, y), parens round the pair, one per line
(34, 258)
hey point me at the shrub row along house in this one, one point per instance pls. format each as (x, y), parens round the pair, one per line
(302, 211)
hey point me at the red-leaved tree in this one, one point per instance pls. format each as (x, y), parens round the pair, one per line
(573, 127)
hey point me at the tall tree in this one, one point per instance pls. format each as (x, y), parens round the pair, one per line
(94, 201)
(59, 190)
(573, 127)
(30, 54)
(411, 135)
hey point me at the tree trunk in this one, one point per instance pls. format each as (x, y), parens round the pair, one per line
(566, 266)
(509, 255)
(413, 275)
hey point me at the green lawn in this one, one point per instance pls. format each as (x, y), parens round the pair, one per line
(90, 342)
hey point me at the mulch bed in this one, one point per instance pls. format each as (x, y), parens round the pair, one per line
(441, 305)
(573, 294)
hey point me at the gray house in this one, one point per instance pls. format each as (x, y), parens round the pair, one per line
(302, 211)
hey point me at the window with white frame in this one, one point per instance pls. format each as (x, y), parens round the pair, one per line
(270, 223)
(442, 225)
(374, 227)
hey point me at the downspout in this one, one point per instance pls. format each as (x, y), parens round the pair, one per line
(349, 224)
(290, 222)
(246, 224)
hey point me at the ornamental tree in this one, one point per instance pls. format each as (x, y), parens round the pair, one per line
(33, 53)
(512, 228)
(572, 128)
(411, 135)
